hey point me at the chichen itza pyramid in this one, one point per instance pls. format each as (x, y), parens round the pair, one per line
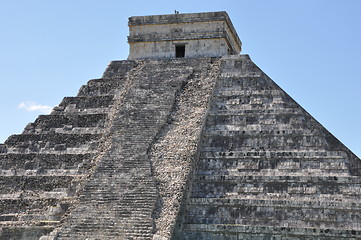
(187, 139)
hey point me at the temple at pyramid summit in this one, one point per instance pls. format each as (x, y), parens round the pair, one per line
(186, 139)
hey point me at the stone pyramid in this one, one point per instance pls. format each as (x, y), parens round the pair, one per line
(203, 146)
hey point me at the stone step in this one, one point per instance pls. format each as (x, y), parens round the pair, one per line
(304, 143)
(279, 179)
(25, 231)
(33, 161)
(110, 223)
(8, 218)
(11, 184)
(259, 83)
(228, 114)
(62, 194)
(248, 132)
(60, 149)
(42, 172)
(272, 215)
(248, 232)
(223, 185)
(71, 110)
(46, 122)
(268, 165)
(140, 180)
(118, 69)
(87, 102)
(250, 102)
(332, 202)
(236, 92)
(264, 128)
(29, 224)
(278, 172)
(251, 122)
(58, 141)
(106, 194)
(98, 87)
(214, 152)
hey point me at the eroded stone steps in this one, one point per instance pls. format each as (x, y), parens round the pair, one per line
(225, 104)
(272, 124)
(42, 172)
(275, 166)
(25, 232)
(35, 142)
(33, 211)
(118, 69)
(35, 183)
(88, 102)
(229, 114)
(210, 152)
(112, 228)
(274, 142)
(107, 214)
(332, 202)
(98, 87)
(129, 189)
(237, 92)
(273, 215)
(284, 178)
(47, 122)
(137, 196)
(249, 83)
(19, 205)
(78, 112)
(278, 172)
(252, 232)
(258, 129)
(34, 161)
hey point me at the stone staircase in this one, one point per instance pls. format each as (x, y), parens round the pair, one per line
(119, 199)
(95, 167)
(267, 169)
(42, 169)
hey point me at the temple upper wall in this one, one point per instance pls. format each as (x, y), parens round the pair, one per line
(182, 35)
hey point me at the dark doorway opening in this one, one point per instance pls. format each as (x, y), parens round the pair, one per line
(180, 51)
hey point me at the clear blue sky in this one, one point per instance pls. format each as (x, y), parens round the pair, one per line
(311, 48)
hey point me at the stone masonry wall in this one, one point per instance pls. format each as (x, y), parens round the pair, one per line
(267, 169)
(203, 34)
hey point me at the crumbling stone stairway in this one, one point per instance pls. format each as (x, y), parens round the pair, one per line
(42, 168)
(119, 200)
(267, 169)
